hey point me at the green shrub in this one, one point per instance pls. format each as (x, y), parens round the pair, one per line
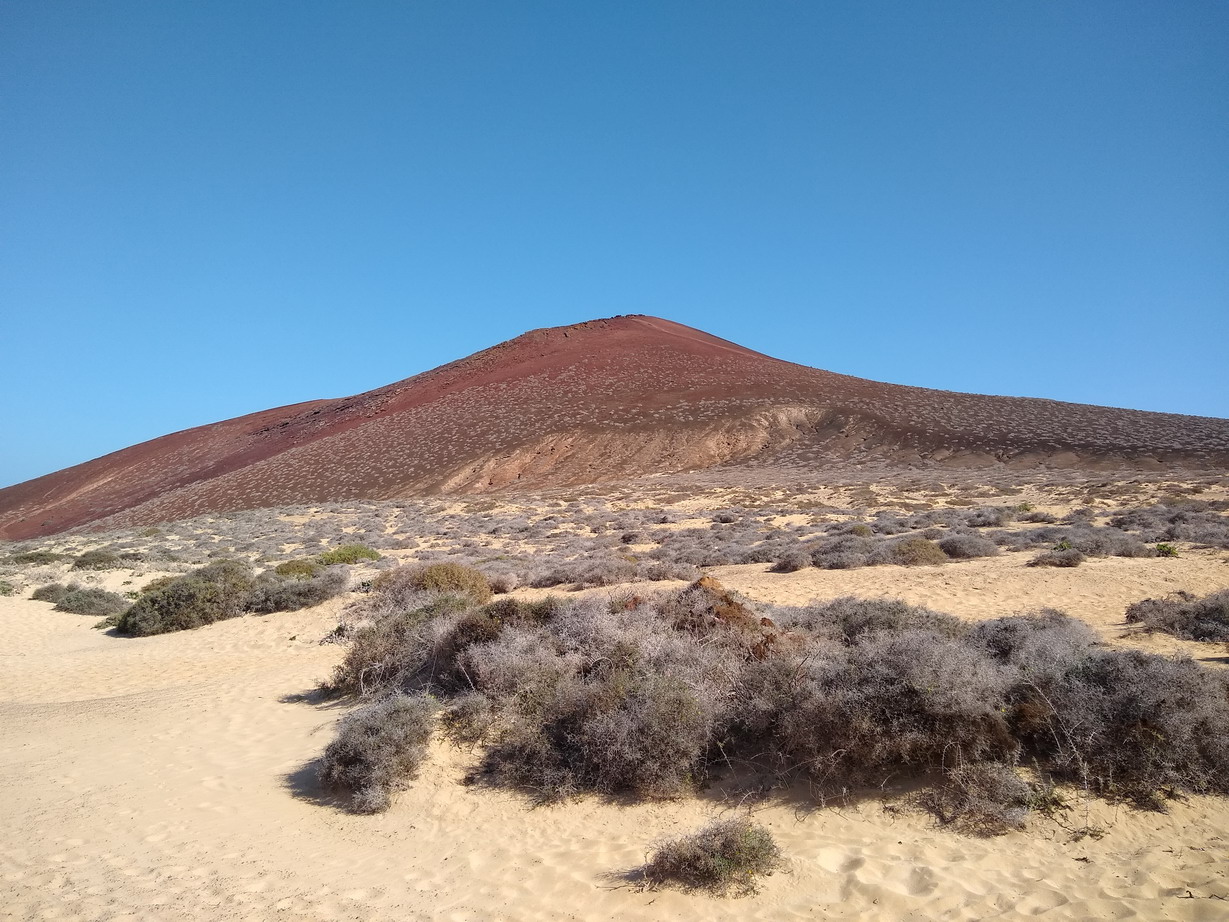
(35, 557)
(1166, 550)
(276, 593)
(450, 577)
(96, 602)
(377, 748)
(155, 584)
(99, 559)
(6, 588)
(212, 593)
(348, 553)
(53, 592)
(727, 855)
(298, 569)
(911, 552)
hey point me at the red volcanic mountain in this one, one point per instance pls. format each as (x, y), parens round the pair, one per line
(602, 400)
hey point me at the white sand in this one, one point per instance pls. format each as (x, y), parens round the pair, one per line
(169, 778)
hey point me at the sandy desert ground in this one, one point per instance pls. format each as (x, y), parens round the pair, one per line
(173, 777)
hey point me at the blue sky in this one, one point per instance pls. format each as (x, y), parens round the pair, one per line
(215, 208)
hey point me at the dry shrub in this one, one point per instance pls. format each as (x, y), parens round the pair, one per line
(395, 648)
(606, 570)
(1121, 722)
(991, 516)
(909, 552)
(1141, 726)
(648, 696)
(792, 561)
(377, 748)
(1197, 521)
(158, 583)
(658, 571)
(964, 547)
(982, 799)
(600, 701)
(892, 699)
(1108, 542)
(706, 606)
(629, 732)
(468, 719)
(526, 611)
(435, 577)
(1041, 644)
(844, 552)
(502, 583)
(1068, 557)
(724, 856)
(1185, 616)
(849, 618)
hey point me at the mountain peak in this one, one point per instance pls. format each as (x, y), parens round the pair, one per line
(589, 402)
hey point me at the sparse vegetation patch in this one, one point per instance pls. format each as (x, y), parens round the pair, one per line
(651, 696)
(728, 855)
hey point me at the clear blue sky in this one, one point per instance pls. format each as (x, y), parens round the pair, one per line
(208, 209)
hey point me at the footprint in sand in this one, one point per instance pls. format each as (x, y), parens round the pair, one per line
(839, 861)
(921, 882)
(1038, 902)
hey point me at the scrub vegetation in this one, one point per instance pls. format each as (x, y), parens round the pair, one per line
(654, 696)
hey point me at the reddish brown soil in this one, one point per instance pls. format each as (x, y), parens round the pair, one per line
(597, 401)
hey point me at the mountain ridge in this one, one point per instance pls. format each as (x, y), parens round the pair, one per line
(590, 402)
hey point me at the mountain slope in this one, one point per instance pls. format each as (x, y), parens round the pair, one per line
(595, 401)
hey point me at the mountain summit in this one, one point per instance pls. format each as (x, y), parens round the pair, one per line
(596, 401)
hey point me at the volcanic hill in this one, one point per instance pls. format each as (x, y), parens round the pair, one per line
(597, 401)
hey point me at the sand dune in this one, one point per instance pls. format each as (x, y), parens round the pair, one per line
(172, 777)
